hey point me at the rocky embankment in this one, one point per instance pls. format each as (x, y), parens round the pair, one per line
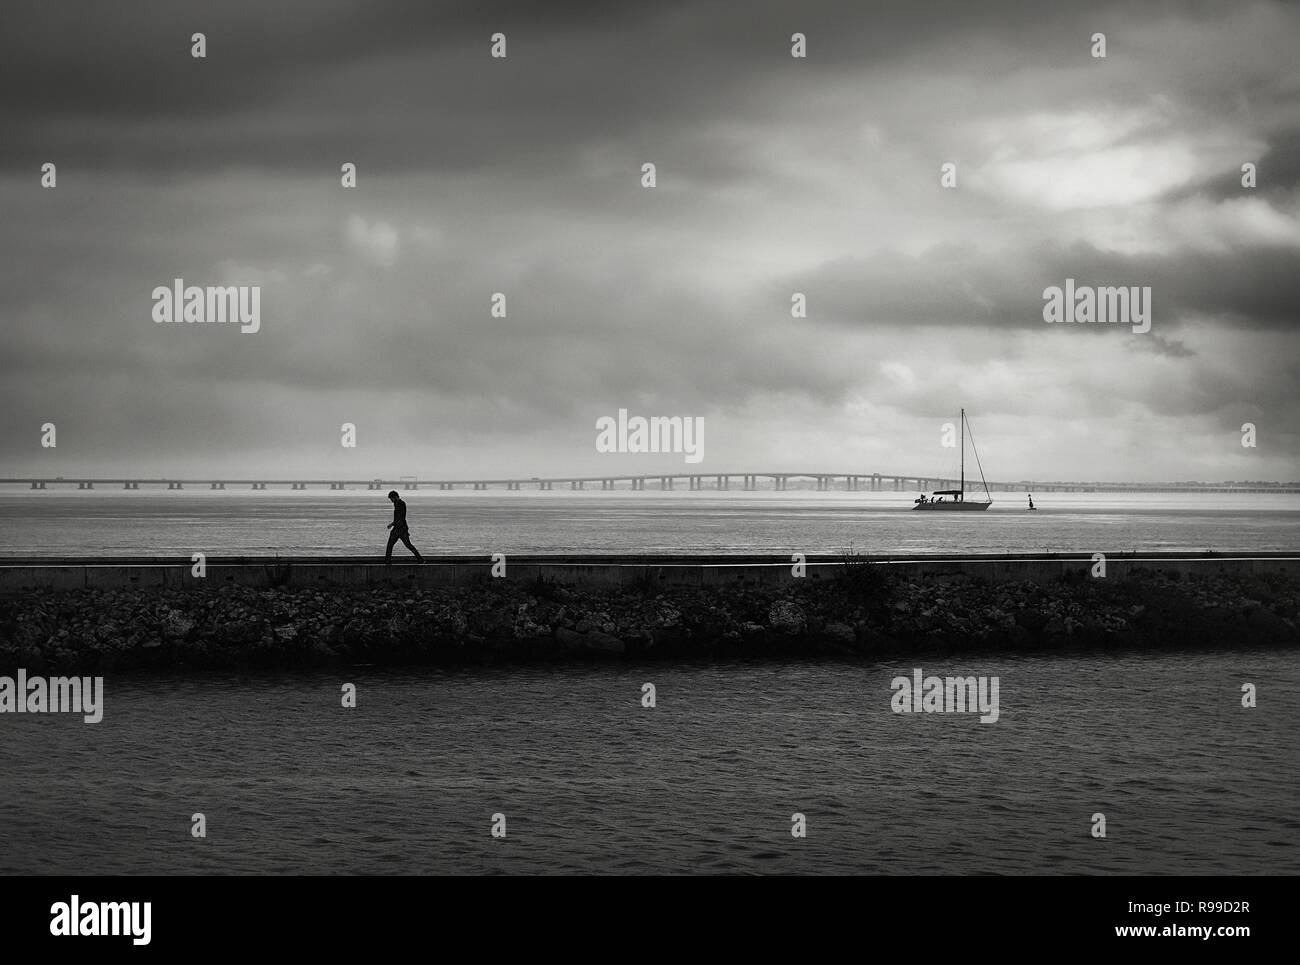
(863, 611)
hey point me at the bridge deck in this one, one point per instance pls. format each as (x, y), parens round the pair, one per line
(721, 481)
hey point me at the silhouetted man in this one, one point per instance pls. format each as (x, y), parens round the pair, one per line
(399, 530)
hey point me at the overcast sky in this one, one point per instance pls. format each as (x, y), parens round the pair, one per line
(775, 175)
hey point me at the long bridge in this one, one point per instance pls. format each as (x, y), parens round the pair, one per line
(746, 481)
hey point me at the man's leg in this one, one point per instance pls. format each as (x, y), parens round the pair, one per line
(388, 553)
(407, 540)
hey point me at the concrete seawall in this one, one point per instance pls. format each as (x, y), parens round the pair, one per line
(24, 575)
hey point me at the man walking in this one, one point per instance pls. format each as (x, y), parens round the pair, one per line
(399, 530)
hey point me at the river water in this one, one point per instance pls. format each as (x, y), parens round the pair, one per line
(107, 523)
(589, 780)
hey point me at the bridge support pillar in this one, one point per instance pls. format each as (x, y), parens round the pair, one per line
(724, 482)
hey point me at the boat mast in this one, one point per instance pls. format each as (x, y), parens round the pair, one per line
(963, 454)
(973, 449)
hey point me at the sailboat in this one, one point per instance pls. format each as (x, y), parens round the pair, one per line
(954, 500)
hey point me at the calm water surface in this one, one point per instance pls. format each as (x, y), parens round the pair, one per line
(589, 781)
(107, 523)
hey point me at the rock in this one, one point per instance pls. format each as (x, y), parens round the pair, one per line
(1266, 623)
(594, 641)
(786, 617)
(229, 624)
(605, 642)
(568, 639)
(841, 633)
(667, 615)
(1032, 620)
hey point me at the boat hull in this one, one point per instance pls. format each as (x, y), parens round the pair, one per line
(964, 506)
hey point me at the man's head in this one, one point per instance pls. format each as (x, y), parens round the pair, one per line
(392, 494)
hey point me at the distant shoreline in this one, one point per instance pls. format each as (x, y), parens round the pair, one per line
(739, 483)
(843, 609)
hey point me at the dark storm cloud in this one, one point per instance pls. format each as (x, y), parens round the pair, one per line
(1160, 345)
(83, 58)
(962, 285)
(1277, 172)
(293, 83)
(96, 84)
